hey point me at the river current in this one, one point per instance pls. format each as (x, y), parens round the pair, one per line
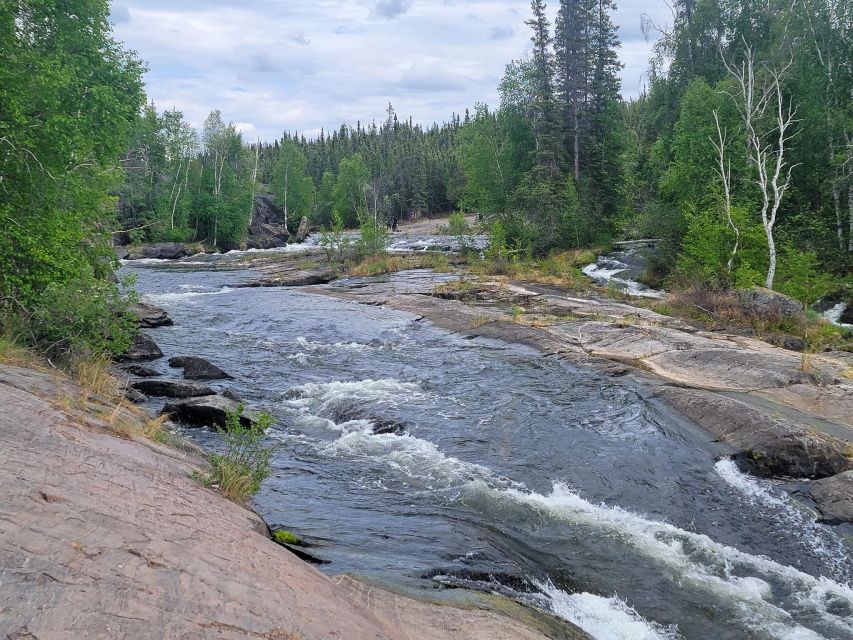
(423, 459)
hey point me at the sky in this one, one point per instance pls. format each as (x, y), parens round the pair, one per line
(276, 65)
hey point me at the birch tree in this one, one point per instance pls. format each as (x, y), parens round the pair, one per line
(767, 119)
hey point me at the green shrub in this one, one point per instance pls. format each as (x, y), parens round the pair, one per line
(374, 237)
(239, 472)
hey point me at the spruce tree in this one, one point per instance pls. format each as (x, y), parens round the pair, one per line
(543, 105)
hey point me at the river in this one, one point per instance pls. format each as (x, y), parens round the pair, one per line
(419, 458)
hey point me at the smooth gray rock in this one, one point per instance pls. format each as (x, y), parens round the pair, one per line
(169, 388)
(767, 445)
(151, 317)
(165, 250)
(834, 497)
(766, 303)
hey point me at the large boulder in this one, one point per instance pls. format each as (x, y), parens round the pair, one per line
(834, 497)
(759, 302)
(303, 230)
(207, 411)
(196, 368)
(142, 350)
(169, 388)
(267, 229)
(165, 250)
(150, 316)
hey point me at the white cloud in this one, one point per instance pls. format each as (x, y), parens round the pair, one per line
(302, 66)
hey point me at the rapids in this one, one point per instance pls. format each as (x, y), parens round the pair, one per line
(426, 460)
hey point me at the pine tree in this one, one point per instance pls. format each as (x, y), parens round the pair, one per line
(543, 105)
(572, 73)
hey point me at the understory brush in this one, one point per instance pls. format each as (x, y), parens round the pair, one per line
(238, 472)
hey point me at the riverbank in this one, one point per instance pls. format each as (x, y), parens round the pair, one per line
(105, 535)
(778, 412)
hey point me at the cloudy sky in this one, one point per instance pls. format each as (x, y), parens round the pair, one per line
(275, 65)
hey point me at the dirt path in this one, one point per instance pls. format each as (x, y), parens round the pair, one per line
(105, 537)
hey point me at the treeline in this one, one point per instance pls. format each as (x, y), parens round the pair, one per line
(183, 185)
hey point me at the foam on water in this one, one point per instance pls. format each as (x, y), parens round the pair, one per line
(320, 394)
(769, 595)
(184, 296)
(781, 509)
(607, 270)
(834, 315)
(604, 618)
(310, 346)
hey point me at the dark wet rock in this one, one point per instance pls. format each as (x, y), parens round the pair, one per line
(387, 426)
(206, 411)
(150, 316)
(791, 343)
(232, 395)
(196, 368)
(847, 314)
(121, 252)
(163, 251)
(303, 230)
(267, 229)
(764, 444)
(143, 349)
(834, 497)
(141, 371)
(135, 396)
(765, 303)
(168, 388)
(302, 554)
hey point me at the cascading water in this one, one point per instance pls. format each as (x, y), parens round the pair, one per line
(417, 457)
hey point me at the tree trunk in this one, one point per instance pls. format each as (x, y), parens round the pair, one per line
(839, 224)
(771, 245)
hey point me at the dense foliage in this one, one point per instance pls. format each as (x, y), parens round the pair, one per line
(69, 96)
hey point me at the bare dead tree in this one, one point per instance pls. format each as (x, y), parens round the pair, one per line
(767, 122)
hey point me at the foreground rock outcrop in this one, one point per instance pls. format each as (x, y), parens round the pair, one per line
(104, 537)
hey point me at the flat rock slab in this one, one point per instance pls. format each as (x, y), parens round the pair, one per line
(834, 497)
(143, 349)
(196, 368)
(170, 388)
(768, 445)
(207, 411)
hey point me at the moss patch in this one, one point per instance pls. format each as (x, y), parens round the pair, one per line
(282, 536)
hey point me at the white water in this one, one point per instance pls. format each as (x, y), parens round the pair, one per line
(834, 315)
(607, 270)
(762, 594)
(184, 296)
(604, 618)
(782, 511)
